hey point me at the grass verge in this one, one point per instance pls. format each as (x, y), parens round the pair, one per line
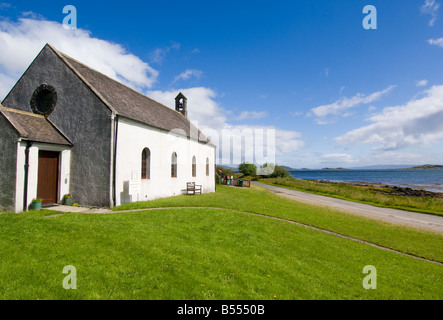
(374, 195)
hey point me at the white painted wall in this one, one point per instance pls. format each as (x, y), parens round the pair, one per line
(133, 137)
(64, 171)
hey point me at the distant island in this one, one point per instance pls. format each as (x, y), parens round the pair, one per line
(334, 169)
(426, 166)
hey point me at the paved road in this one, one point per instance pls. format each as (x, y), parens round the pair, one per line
(412, 219)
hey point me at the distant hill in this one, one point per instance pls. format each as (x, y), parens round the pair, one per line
(427, 166)
(383, 167)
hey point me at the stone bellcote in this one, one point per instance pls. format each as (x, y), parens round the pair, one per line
(181, 104)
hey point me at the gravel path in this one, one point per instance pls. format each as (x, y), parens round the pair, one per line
(399, 217)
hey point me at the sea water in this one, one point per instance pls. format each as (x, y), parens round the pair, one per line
(426, 179)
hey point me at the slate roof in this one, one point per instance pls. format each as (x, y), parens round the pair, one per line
(33, 127)
(131, 104)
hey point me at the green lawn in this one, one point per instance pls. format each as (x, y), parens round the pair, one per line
(212, 254)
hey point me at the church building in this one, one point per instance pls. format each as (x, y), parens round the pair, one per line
(66, 128)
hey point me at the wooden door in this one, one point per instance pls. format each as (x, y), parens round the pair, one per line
(47, 186)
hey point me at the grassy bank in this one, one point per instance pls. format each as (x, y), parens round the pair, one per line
(375, 195)
(259, 200)
(203, 253)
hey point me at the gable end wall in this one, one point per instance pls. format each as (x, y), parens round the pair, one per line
(81, 116)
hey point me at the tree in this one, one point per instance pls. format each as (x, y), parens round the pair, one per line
(248, 169)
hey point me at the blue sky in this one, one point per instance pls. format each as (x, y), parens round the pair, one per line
(335, 93)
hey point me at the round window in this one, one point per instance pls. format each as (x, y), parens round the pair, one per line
(43, 100)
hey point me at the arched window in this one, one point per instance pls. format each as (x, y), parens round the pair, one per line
(194, 166)
(207, 167)
(174, 165)
(146, 164)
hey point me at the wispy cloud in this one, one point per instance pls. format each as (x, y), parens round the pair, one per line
(422, 83)
(337, 158)
(251, 115)
(436, 42)
(431, 7)
(186, 75)
(296, 113)
(159, 54)
(340, 107)
(4, 5)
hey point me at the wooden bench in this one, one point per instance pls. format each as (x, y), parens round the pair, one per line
(192, 188)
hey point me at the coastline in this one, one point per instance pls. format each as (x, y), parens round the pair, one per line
(425, 179)
(435, 191)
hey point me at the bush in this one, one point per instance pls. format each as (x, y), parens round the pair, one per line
(279, 172)
(248, 169)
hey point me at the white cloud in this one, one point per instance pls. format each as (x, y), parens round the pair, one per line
(436, 42)
(210, 117)
(6, 84)
(430, 7)
(185, 75)
(417, 123)
(251, 115)
(339, 107)
(203, 109)
(422, 83)
(22, 41)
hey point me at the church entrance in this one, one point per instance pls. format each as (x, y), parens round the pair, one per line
(48, 173)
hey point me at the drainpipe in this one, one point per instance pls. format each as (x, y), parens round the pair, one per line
(25, 193)
(114, 169)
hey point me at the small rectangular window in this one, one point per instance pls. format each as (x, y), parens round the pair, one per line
(207, 167)
(174, 165)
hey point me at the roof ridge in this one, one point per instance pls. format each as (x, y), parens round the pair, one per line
(64, 55)
(83, 75)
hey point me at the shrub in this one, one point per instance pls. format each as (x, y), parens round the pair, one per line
(248, 169)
